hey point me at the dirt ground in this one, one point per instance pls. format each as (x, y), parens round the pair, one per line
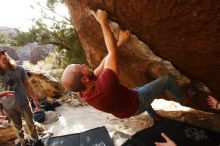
(82, 118)
(75, 117)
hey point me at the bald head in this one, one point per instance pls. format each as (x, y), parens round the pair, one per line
(71, 78)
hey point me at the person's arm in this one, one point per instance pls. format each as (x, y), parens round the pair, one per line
(168, 142)
(123, 37)
(6, 93)
(213, 103)
(111, 58)
(31, 93)
(100, 68)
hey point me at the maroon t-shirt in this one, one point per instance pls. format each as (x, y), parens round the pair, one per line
(110, 96)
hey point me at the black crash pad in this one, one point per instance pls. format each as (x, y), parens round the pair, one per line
(181, 133)
(94, 137)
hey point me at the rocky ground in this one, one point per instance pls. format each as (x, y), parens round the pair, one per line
(75, 116)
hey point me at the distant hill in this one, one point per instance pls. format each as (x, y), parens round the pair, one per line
(7, 31)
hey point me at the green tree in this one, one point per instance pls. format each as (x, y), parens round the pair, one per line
(59, 33)
(22, 38)
(2, 39)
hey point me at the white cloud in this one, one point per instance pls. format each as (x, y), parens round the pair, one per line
(18, 13)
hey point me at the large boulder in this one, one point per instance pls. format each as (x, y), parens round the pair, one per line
(34, 52)
(185, 33)
(25, 52)
(44, 85)
(40, 53)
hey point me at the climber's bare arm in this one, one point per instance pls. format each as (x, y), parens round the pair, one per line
(111, 58)
(123, 37)
(100, 68)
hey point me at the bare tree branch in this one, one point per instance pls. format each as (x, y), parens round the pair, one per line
(49, 18)
(48, 9)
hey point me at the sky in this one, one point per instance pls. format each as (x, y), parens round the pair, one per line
(19, 14)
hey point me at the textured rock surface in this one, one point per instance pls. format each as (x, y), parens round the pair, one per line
(40, 52)
(34, 52)
(185, 33)
(7, 134)
(45, 86)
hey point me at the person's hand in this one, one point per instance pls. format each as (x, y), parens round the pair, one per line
(100, 15)
(9, 93)
(213, 103)
(123, 37)
(6, 93)
(37, 103)
(168, 142)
